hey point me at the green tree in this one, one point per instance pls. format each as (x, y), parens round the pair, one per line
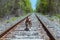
(25, 5)
(9, 7)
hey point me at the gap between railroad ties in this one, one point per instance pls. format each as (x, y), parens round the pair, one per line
(38, 30)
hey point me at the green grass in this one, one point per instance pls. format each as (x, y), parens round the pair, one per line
(57, 15)
(12, 19)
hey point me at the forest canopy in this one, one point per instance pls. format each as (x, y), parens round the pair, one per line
(50, 7)
(8, 7)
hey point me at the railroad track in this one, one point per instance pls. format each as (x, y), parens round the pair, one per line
(36, 31)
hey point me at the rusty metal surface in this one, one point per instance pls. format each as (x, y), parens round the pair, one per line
(14, 26)
(36, 31)
(51, 26)
(47, 31)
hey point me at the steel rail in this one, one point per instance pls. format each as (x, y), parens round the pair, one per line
(46, 30)
(6, 31)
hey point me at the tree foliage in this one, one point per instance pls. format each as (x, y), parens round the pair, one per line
(8, 7)
(25, 5)
(48, 6)
(42, 6)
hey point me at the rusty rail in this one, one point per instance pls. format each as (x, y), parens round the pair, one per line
(15, 25)
(6, 31)
(46, 30)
